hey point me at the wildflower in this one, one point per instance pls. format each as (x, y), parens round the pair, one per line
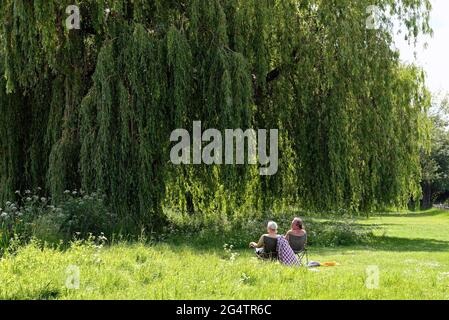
(43, 199)
(17, 192)
(27, 191)
(8, 203)
(102, 238)
(233, 256)
(66, 191)
(28, 199)
(245, 278)
(4, 215)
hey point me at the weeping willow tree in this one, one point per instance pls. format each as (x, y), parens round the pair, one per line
(93, 108)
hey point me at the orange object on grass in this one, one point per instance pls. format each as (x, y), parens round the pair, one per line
(329, 264)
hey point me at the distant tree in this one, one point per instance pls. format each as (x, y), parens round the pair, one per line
(435, 165)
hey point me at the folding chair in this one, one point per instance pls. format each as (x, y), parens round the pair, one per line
(269, 251)
(298, 244)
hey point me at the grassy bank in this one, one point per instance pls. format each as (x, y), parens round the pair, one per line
(411, 252)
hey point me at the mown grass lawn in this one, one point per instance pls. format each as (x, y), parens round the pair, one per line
(412, 256)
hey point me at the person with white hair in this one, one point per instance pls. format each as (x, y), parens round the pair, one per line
(267, 246)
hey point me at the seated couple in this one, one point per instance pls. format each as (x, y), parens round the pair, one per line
(270, 245)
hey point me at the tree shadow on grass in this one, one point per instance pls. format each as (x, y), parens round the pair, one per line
(378, 225)
(386, 243)
(411, 215)
(322, 235)
(377, 243)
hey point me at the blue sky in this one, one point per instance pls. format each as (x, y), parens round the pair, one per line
(434, 59)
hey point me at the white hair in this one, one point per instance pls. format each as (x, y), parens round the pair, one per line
(272, 226)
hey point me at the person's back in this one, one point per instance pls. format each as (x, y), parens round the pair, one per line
(270, 246)
(267, 245)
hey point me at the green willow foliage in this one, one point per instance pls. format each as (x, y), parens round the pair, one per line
(93, 108)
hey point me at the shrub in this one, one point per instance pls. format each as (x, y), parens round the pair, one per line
(84, 215)
(327, 232)
(338, 233)
(17, 218)
(77, 214)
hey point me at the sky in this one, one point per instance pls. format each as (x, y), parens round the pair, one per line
(434, 59)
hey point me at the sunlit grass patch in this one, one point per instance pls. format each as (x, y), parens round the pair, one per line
(412, 263)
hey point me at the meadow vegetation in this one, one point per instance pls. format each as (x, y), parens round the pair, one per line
(410, 250)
